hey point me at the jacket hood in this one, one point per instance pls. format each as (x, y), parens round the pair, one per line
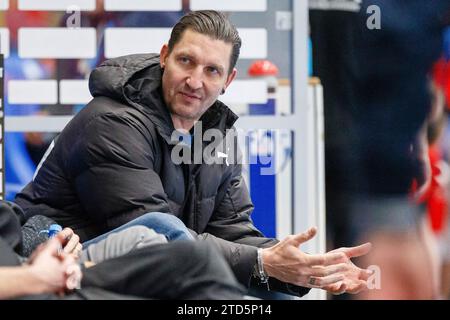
(110, 78)
(136, 80)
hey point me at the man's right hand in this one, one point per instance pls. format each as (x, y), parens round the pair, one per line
(286, 262)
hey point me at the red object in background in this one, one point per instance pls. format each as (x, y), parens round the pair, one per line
(15, 19)
(441, 76)
(436, 196)
(263, 68)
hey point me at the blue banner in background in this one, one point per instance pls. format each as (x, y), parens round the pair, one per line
(447, 43)
(263, 187)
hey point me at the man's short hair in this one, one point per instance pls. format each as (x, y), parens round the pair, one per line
(211, 23)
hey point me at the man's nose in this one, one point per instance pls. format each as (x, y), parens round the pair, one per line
(195, 79)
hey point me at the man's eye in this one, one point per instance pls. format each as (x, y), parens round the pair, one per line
(184, 60)
(213, 70)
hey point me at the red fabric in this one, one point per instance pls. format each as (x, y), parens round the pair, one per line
(441, 76)
(436, 195)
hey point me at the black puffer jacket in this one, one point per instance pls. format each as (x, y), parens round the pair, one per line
(112, 164)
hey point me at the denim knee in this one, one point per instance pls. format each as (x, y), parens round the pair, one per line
(169, 225)
(165, 218)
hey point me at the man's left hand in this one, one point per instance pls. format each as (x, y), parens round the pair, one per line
(355, 279)
(71, 243)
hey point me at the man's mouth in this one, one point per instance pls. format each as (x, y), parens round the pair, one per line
(190, 96)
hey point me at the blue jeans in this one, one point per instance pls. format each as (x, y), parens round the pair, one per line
(163, 223)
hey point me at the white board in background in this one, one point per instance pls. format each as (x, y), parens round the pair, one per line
(123, 41)
(143, 5)
(229, 5)
(254, 43)
(245, 91)
(56, 5)
(4, 42)
(4, 4)
(74, 92)
(57, 43)
(32, 92)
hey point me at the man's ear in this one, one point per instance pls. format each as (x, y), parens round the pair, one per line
(163, 54)
(230, 78)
